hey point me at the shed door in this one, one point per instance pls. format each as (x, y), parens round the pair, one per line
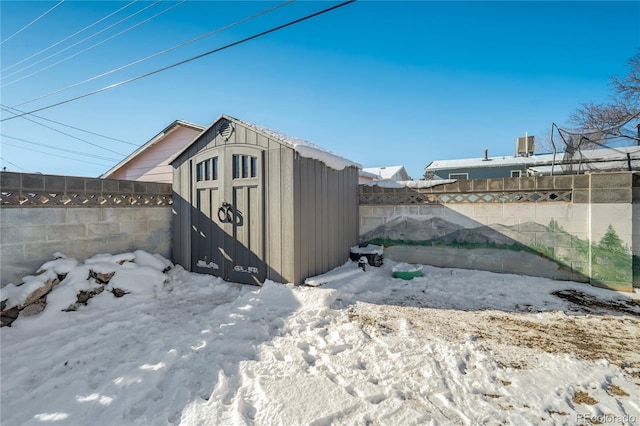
(230, 211)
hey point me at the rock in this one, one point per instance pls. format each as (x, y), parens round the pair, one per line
(35, 308)
(3, 304)
(101, 278)
(83, 297)
(118, 292)
(71, 308)
(42, 291)
(9, 316)
(86, 295)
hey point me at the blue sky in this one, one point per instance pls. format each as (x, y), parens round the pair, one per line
(378, 82)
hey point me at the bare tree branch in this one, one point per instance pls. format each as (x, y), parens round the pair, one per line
(624, 105)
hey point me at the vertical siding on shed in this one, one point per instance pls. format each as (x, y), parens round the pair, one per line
(310, 210)
(287, 214)
(325, 212)
(311, 219)
(182, 213)
(273, 202)
(324, 200)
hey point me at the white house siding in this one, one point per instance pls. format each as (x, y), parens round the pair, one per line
(152, 165)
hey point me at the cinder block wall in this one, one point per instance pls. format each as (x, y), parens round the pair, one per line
(79, 217)
(580, 228)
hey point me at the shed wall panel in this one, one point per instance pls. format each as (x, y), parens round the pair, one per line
(308, 217)
(290, 220)
(274, 201)
(239, 135)
(263, 142)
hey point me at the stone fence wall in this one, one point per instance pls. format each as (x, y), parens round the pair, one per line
(79, 217)
(580, 227)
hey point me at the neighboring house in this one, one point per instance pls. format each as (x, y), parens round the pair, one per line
(397, 173)
(364, 177)
(607, 159)
(150, 162)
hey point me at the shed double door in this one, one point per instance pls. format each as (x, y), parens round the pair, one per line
(228, 220)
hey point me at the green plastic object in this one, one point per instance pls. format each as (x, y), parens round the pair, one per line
(405, 275)
(406, 272)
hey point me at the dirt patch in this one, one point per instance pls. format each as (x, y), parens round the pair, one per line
(617, 391)
(587, 337)
(584, 398)
(613, 337)
(592, 304)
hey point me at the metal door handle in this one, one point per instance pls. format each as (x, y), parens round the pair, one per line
(225, 213)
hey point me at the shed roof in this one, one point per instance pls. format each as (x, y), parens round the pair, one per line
(151, 142)
(304, 148)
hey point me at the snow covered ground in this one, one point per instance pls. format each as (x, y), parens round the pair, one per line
(451, 347)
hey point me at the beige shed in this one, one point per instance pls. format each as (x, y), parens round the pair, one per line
(252, 204)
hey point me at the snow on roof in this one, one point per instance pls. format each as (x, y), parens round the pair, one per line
(595, 160)
(365, 173)
(408, 183)
(385, 172)
(152, 142)
(304, 148)
(468, 163)
(531, 161)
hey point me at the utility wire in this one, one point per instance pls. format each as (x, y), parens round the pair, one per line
(30, 23)
(264, 12)
(67, 134)
(68, 37)
(193, 58)
(73, 45)
(13, 164)
(7, 108)
(54, 155)
(97, 157)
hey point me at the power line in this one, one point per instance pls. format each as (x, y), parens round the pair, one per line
(68, 37)
(55, 155)
(30, 23)
(193, 58)
(13, 164)
(7, 108)
(66, 134)
(159, 53)
(98, 157)
(73, 45)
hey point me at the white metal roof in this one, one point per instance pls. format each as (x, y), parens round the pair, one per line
(385, 172)
(366, 174)
(408, 183)
(533, 160)
(469, 163)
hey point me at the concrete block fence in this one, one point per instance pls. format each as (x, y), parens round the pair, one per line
(583, 227)
(79, 217)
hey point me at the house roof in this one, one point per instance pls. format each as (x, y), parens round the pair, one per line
(154, 140)
(470, 163)
(304, 148)
(385, 172)
(366, 174)
(588, 155)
